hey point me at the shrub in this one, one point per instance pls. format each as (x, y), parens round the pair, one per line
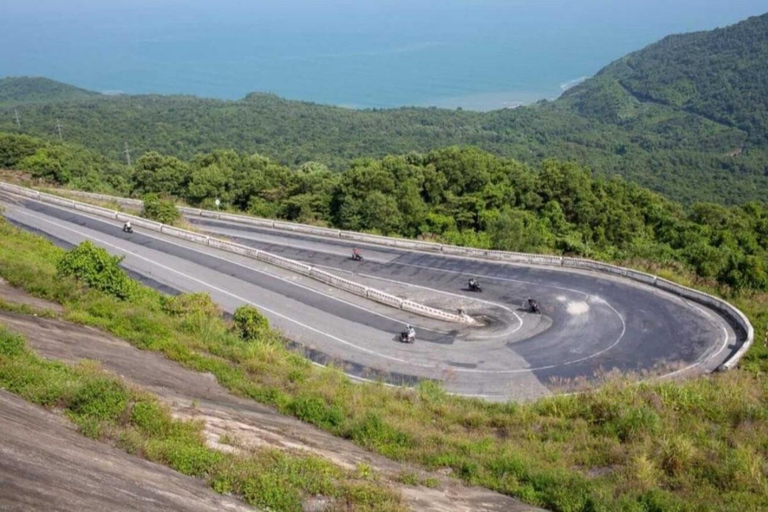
(98, 269)
(101, 399)
(372, 432)
(160, 210)
(250, 323)
(316, 411)
(191, 303)
(11, 345)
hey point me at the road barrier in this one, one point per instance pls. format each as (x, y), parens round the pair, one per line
(49, 198)
(344, 284)
(739, 320)
(272, 259)
(123, 201)
(186, 235)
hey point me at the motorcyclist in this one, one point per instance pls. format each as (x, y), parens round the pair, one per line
(472, 283)
(127, 227)
(409, 334)
(533, 306)
(356, 254)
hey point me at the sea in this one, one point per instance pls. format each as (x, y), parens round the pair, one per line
(470, 54)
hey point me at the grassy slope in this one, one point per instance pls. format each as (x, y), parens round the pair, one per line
(698, 445)
(105, 408)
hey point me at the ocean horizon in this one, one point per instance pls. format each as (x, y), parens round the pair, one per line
(481, 55)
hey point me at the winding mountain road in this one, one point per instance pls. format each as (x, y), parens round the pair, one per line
(590, 323)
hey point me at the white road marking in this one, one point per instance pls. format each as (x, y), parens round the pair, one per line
(702, 359)
(451, 369)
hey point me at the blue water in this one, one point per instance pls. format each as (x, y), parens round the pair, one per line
(476, 54)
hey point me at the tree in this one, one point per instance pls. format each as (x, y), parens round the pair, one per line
(160, 210)
(46, 166)
(155, 173)
(209, 183)
(516, 230)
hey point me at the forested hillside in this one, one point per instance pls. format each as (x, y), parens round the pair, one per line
(685, 117)
(461, 196)
(678, 72)
(16, 90)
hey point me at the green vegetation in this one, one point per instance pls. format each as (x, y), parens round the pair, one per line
(14, 90)
(97, 268)
(160, 210)
(67, 164)
(250, 323)
(697, 445)
(464, 197)
(105, 408)
(685, 117)
(677, 72)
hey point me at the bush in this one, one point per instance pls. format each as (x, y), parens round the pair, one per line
(250, 323)
(160, 210)
(98, 269)
(100, 399)
(11, 344)
(316, 411)
(190, 304)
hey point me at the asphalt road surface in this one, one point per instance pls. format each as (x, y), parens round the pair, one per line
(590, 324)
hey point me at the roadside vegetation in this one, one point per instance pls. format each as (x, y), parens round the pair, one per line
(461, 196)
(105, 408)
(628, 446)
(159, 209)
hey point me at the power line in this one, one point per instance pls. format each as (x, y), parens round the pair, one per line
(127, 154)
(58, 127)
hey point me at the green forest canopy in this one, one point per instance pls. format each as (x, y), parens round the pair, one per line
(687, 117)
(457, 195)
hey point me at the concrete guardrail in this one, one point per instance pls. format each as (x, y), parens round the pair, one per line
(278, 261)
(737, 317)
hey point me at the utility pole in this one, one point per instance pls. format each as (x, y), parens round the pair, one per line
(127, 154)
(18, 120)
(58, 127)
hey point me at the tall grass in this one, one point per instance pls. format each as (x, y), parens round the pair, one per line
(696, 445)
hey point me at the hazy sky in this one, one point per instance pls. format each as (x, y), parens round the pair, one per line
(367, 53)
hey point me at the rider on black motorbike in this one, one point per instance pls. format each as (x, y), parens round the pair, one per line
(474, 285)
(127, 227)
(356, 254)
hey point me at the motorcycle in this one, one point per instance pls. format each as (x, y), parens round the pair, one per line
(474, 286)
(408, 336)
(127, 228)
(357, 257)
(533, 306)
